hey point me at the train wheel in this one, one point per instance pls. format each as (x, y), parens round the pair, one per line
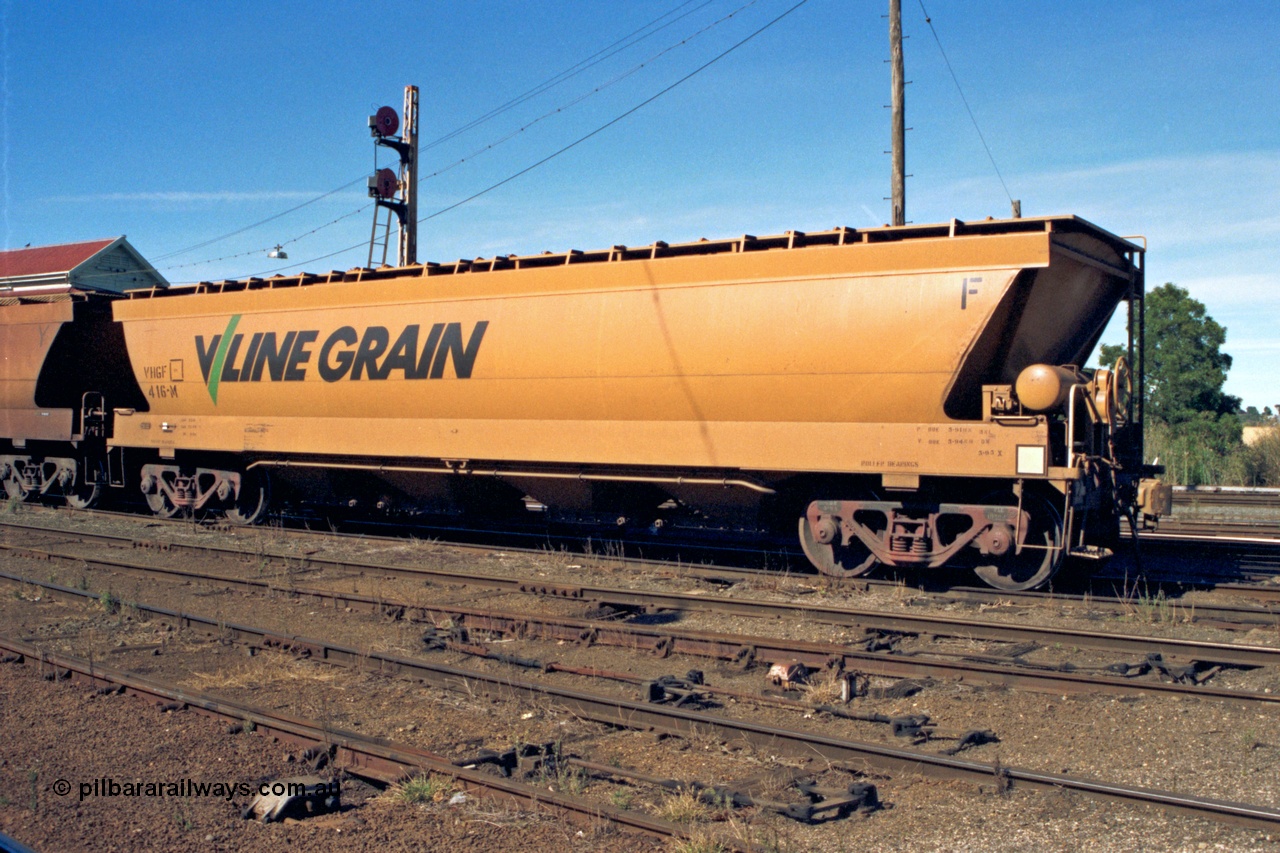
(1042, 554)
(834, 559)
(161, 505)
(15, 490)
(84, 494)
(251, 506)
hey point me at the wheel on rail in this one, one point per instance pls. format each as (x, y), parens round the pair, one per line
(251, 506)
(15, 489)
(849, 560)
(161, 505)
(1042, 552)
(84, 494)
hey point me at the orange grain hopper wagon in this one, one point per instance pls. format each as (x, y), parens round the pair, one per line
(907, 396)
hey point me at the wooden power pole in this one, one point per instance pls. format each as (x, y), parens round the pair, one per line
(899, 119)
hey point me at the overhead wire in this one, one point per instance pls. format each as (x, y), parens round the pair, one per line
(271, 218)
(541, 87)
(281, 244)
(965, 100)
(565, 148)
(558, 110)
(597, 90)
(570, 72)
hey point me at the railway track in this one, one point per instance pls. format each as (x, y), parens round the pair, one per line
(1198, 658)
(853, 660)
(1174, 564)
(630, 599)
(1129, 595)
(364, 753)
(1248, 560)
(1224, 499)
(369, 758)
(1223, 512)
(1253, 549)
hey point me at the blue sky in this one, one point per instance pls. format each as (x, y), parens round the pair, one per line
(178, 123)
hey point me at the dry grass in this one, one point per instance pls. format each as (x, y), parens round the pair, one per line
(826, 690)
(558, 558)
(684, 806)
(773, 786)
(699, 841)
(268, 668)
(604, 555)
(764, 838)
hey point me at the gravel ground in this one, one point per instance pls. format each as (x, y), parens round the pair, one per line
(60, 731)
(1191, 746)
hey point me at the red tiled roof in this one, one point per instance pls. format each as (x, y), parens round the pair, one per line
(49, 259)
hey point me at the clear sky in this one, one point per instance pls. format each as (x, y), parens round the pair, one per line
(176, 123)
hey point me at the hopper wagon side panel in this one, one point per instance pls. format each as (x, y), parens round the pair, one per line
(825, 359)
(858, 358)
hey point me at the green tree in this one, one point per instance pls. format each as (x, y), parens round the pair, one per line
(1252, 417)
(1192, 425)
(1185, 365)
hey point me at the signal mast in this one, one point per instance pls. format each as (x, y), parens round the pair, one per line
(396, 193)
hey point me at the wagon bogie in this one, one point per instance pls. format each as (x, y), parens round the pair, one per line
(205, 485)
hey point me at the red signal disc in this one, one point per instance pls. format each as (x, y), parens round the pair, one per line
(388, 183)
(386, 121)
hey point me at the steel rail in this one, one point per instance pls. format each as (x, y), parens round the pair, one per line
(1234, 654)
(1153, 537)
(738, 648)
(633, 715)
(1225, 616)
(1268, 594)
(1209, 532)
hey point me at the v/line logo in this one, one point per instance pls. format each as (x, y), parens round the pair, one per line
(344, 354)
